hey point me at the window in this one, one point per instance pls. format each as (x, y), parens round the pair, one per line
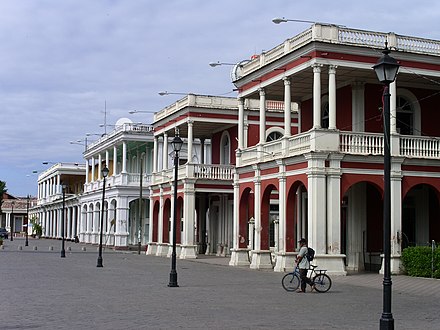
(274, 136)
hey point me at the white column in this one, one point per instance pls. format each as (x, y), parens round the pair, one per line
(115, 160)
(262, 116)
(240, 123)
(87, 171)
(107, 158)
(316, 96)
(124, 157)
(332, 96)
(58, 187)
(155, 153)
(188, 246)
(257, 213)
(68, 231)
(393, 108)
(93, 169)
(190, 140)
(165, 152)
(99, 166)
(287, 108)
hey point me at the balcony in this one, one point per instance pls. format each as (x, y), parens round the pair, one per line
(353, 143)
(122, 179)
(195, 171)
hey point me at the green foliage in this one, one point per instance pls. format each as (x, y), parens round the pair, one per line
(2, 191)
(417, 261)
(37, 229)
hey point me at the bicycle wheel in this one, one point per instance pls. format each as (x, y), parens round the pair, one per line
(290, 281)
(322, 282)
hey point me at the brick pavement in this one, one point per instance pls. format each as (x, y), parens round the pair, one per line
(40, 290)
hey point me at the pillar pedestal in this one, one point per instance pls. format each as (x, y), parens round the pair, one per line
(239, 257)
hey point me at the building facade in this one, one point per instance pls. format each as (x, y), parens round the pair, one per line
(59, 188)
(300, 154)
(127, 153)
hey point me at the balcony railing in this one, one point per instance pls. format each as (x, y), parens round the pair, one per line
(354, 143)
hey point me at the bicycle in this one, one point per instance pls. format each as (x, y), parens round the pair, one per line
(321, 280)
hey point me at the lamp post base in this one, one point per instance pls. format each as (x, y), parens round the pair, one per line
(173, 279)
(63, 254)
(386, 323)
(99, 264)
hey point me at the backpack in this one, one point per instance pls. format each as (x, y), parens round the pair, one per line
(310, 254)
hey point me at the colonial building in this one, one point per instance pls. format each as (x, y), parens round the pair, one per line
(59, 188)
(14, 213)
(300, 154)
(127, 153)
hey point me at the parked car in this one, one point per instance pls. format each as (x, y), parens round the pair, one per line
(4, 233)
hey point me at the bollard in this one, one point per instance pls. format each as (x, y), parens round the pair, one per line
(2, 247)
(20, 248)
(35, 248)
(83, 248)
(69, 248)
(50, 248)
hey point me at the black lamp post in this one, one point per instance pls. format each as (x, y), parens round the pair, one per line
(177, 145)
(386, 70)
(12, 221)
(26, 243)
(104, 172)
(63, 251)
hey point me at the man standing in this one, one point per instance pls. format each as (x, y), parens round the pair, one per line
(303, 265)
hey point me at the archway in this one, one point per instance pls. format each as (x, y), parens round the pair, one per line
(362, 227)
(420, 216)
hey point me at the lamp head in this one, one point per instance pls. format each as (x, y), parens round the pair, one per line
(386, 67)
(278, 20)
(214, 64)
(177, 143)
(105, 171)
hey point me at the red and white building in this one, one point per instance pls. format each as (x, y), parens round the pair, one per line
(299, 153)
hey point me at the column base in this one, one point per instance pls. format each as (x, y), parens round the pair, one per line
(170, 250)
(285, 261)
(239, 257)
(152, 249)
(188, 252)
(121, 240)
(261, 259)
(396, 266)
(162, 249)
(333, 263)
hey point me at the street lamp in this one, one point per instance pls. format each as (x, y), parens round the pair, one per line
(104, 172)
(177, 145)
(386, 70)
(12, 221)
(278, 20)
(26, 243)
(63, 251)
(131, 112)
(170, 93)
(218, 63)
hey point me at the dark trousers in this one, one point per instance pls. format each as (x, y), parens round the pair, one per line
(304, 279)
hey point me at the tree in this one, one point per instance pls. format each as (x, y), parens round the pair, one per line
(3, 191)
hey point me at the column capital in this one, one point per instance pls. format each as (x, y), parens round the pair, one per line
(286, 81)
(316, 67)
(332, 69)
(262, 91)
(190, 122)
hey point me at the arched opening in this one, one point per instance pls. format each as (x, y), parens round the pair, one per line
(362, 227)
(420, 216)
(269, 233)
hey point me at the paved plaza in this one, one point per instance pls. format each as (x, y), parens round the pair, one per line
(41, 290)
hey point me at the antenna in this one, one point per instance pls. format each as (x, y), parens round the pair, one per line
(105, 117)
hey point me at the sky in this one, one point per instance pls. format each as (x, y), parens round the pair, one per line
(69, 66)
